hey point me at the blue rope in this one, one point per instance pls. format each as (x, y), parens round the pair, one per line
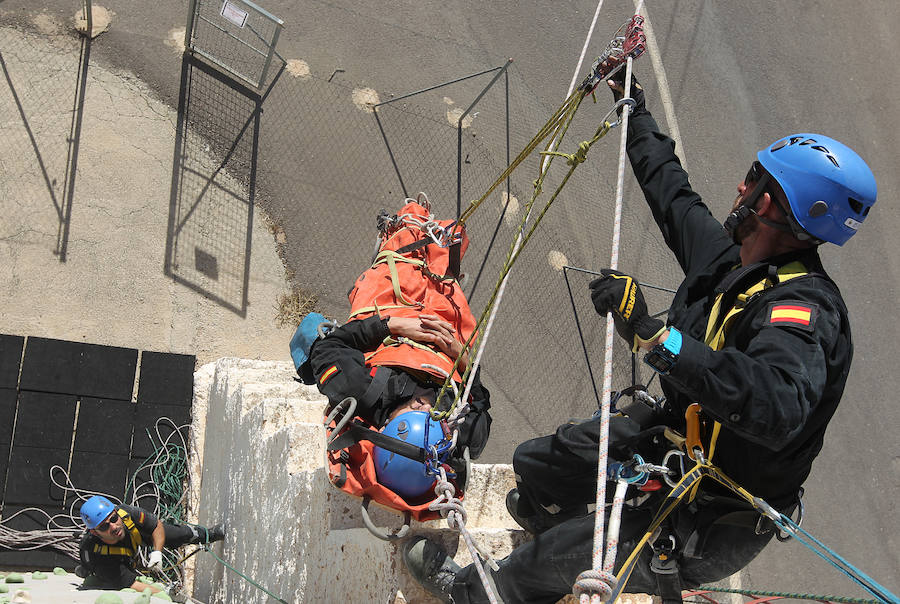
(833, 558)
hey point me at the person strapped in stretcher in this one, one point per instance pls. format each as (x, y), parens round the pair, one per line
(408, 326)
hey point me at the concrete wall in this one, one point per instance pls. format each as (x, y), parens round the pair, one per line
(260, 468)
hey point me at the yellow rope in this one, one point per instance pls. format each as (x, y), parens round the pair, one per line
(559, 123)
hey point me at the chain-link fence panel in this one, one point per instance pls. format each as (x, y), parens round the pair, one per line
(44, 74)
(211, 208)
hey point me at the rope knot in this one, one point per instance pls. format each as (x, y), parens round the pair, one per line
(580, 155)
(595, 582)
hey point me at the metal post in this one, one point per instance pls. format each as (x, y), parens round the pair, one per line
(501, 71)
(189, 30)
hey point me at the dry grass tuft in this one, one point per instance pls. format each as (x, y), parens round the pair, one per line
(292, 307)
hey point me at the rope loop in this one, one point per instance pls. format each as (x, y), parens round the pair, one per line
(595, 582)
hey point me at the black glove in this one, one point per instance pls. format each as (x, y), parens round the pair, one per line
(637, 91)
(621, 295)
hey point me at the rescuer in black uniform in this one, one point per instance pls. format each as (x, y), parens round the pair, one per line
(115, 534)
(757, 333)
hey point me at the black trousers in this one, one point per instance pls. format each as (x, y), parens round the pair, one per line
(557, 475)
(116, 572)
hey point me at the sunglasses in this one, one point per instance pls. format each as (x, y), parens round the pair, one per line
(754, 174)
(104, 526)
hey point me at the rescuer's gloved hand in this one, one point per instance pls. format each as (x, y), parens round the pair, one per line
(617, 85)
(156, 561)
(620, 294)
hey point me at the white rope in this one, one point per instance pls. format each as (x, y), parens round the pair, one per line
(452, 509)
(596, 597)
(587, 41)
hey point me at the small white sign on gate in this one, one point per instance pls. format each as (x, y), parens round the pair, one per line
(234, 14)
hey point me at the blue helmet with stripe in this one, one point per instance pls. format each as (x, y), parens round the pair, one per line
(405, 476)
(95, 510)
(829, 187)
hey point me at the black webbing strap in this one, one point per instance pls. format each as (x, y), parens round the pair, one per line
(415, 245)
(455, 257)
(356, 431)
(376, 387)
(664, 565)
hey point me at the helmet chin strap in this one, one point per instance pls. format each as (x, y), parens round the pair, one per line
(747, 207)
(743, 211)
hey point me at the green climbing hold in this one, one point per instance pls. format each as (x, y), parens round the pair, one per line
(109, 598)
(60, 571)
(162, 596)
(3, 588)
(129, 590)
(39, 576)
(146, 580)
(14, 578)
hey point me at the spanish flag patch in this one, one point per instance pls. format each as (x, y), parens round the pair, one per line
(328, 374)
(793, 314)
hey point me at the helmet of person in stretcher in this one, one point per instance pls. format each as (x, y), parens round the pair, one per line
(405, 476)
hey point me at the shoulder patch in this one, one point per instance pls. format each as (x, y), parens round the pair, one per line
(328, 374)
(789, 313)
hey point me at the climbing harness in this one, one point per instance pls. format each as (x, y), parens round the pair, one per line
(134, 536)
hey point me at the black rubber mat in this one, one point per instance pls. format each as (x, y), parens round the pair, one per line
(146, 416)
(78, 368)
(104, 426)
(45, 420)
(10, 359)
(28, 477)
(166, 379)
(100, 473)
(7, 414)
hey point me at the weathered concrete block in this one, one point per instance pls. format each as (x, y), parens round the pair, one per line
(263, 472)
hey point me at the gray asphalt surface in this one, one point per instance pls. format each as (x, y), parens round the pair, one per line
(740, 75)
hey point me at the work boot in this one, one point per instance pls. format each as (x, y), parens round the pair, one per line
(431, 566)
(216, 532)
(522, 512)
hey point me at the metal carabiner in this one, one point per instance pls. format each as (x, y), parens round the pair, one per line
(666, 459)
(619, 104)
(692, 446)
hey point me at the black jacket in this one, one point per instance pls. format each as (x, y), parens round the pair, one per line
(341, 353)
(774, 385)
(112, 569)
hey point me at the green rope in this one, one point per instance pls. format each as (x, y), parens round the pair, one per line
(796, 596)
(245, 577)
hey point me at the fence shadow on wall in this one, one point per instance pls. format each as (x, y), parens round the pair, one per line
(214, 169)
(50, 108)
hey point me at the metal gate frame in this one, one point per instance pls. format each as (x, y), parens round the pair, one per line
(194, 15)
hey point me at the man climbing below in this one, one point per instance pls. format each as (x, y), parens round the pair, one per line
(116, 533)
(408, 325)
(757, 333)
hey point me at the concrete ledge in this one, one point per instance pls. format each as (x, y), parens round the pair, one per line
(259, 467)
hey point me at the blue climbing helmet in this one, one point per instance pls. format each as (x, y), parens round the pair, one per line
(829, 187)
(403, 475)
(95, 510)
